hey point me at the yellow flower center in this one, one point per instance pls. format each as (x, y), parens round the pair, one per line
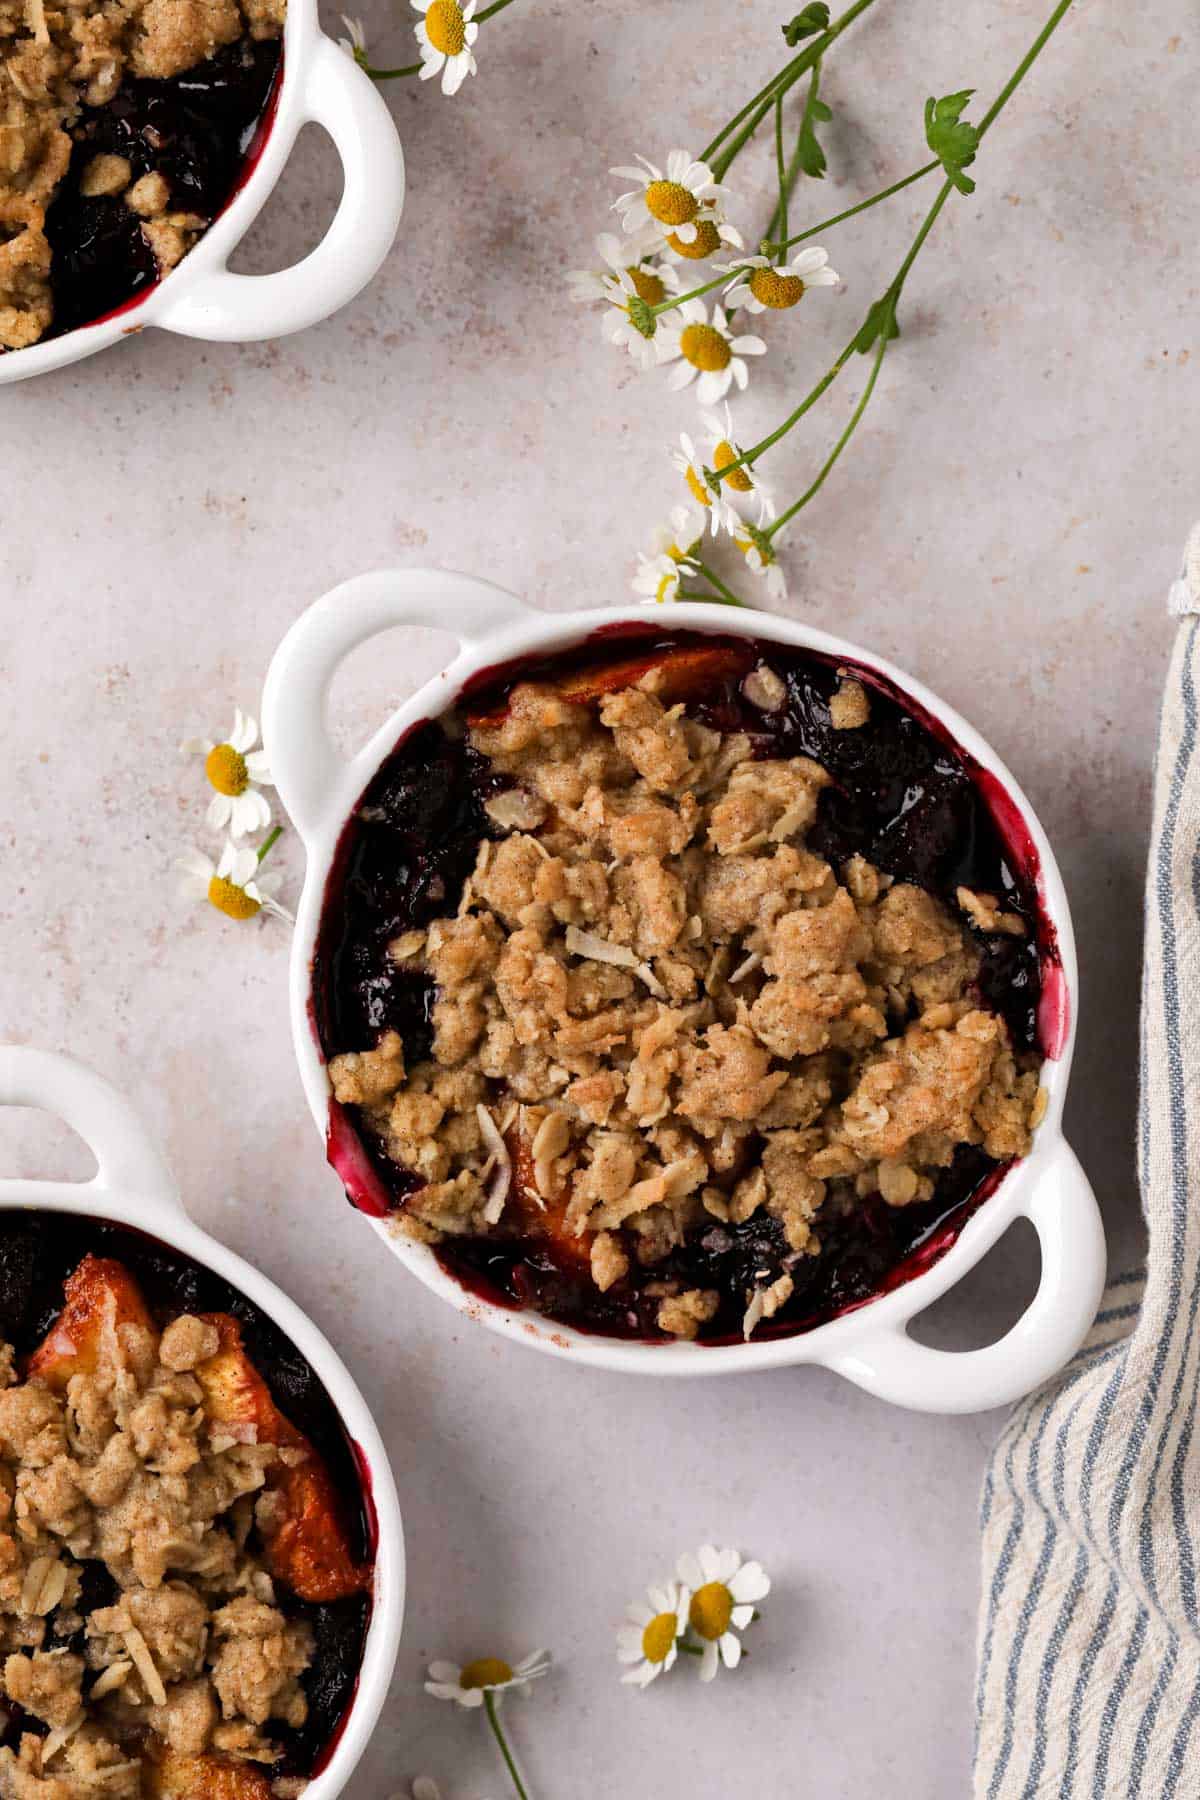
(671, 203)
(446, 27)
(704, 347)
(233, 901)
(723, 455)
(226, 769)
(711, 1610)
(698, 489)
(776, 291)
(485, 1671)
(705, 243)
(650, 288)
(660, 1633)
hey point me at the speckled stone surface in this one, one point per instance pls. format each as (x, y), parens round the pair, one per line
(1006, 526)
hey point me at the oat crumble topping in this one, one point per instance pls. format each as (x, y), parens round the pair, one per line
(57, 56)
(161, 1460)
(656, 1007)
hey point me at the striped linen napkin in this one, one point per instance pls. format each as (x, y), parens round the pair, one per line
(1089, 1637)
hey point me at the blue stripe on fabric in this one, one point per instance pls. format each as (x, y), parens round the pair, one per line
(1000, 1573)
(1028, 1608)
(1095, 1645)
(1066, 1614)
(1179, 1746)
(1112, 1706)
(1149, 1718)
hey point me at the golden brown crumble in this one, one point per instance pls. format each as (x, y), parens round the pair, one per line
(655, 1005)
(57, 56)
(141, 1452)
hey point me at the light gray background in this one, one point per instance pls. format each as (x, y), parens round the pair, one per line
(1005, 525)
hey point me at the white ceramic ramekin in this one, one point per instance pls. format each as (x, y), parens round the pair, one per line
(132, 1186)
(201, 297)
(871, 1345)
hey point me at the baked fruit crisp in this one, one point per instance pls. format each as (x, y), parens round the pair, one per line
(185, 1564)
(124, 125)
(683, 987)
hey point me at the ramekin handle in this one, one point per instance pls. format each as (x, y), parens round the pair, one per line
(307, 771)
(238, 308)
(129, 1165)
(1063, 1210)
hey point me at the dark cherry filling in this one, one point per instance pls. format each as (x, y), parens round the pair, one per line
(195, 129)
(38, 1251)
(903, 795)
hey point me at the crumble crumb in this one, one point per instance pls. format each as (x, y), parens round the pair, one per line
(849, 707)
(683, 1314)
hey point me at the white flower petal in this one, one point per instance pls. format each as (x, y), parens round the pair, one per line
(731, 1650)
(690, 1571)
(748, 346)
(196, 746)
(708, 1662)
(741, 1616)
(750, 1583)
(258, 768)
(220, 807)
(245, 730)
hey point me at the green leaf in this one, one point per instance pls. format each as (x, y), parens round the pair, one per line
(953, 139)
(808, 148)
(880, 322)
(807, 23)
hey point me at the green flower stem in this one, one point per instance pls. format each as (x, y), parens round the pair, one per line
(834, 454)
(810, 399)
(1023, 67)
(760, 106)
(777, 247)
(728, 597)
(269, 843)
(488, 12)
(493, 1718)
(790, 179)
(781, 205)
(895, 288)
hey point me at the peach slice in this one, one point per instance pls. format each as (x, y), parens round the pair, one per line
(543, 1218)
(207, 1777)
(684, 671)
(309, 1549)
(100, 1292)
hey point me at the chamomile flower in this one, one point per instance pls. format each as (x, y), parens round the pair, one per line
(236, 885)
(649, 1640)
(235, 769)
(669, 200)
(763, 286)
(710, 231)
(626, 276)
(723, 1592)
(445, 36)
(467, 1684)
(722, 450)
(355, 42)
(722, 514)
(627, 269)
(707, 350)
(760, 556)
